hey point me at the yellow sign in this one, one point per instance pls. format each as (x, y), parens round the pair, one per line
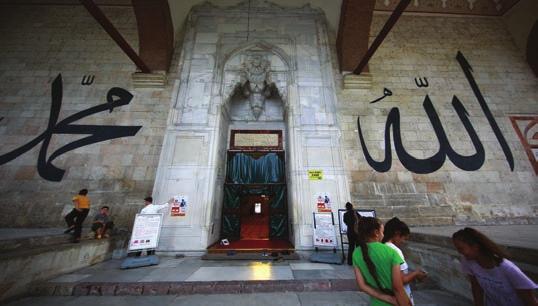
(315, 175)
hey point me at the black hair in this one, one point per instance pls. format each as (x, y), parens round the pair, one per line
(486, 246)
(394, 226)
(83, 192)
(149, 199)
(366, 228)
(349, 206)
(105, 207)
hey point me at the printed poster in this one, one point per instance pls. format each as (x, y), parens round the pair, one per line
(179, 206)
(146, 230)
(323, 202)
(324, 234)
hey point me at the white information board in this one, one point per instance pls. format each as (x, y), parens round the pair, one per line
(360, 212)
(146, 231)
(324, 233)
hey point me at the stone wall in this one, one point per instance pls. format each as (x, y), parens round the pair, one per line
(426, 47)
(38, 43)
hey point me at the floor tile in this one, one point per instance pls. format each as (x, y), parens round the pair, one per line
(257, 272)
(310, 266)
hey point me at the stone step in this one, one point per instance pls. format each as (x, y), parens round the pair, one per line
(187, 288)
(32, 242)
(341, 298)
(276, 256)
(21, 266)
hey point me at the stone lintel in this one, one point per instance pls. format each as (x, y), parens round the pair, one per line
(149, 80)
(362, 81)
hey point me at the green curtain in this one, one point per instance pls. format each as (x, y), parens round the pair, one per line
(231, 197)
(245, 169)
(278, 200)
(278, 226)
(231, 226)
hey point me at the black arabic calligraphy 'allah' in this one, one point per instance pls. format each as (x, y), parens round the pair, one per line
(428, 165)
(115, 97)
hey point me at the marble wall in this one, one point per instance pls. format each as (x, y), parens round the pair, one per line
(218, 43)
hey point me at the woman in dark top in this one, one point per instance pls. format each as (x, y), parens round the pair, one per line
(351, 219)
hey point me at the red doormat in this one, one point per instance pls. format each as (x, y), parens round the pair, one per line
(253, 245)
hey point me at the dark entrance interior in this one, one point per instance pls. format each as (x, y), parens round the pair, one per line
(254, 208)
(254, 217)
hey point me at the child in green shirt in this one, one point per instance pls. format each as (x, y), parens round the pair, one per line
(377, 266)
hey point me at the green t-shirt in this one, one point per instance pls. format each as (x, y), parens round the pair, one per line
(384, 258)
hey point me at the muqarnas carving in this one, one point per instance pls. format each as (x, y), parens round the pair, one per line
(255, 85)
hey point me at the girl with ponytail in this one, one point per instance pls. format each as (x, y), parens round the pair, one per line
(377, 266)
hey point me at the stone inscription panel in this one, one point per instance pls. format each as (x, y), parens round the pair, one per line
(256, 139)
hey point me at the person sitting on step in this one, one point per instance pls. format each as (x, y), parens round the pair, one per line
(101, 223)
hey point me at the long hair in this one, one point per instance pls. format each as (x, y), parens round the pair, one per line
(366, 228)
(394, 226)
(485, 245)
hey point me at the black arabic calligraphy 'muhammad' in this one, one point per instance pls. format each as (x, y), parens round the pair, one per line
(433, 163)
(97, 133)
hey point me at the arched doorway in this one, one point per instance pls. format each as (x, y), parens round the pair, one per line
(255, 212)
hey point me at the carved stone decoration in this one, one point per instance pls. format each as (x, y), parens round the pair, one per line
(256, 84)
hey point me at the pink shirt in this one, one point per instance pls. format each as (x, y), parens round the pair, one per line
(499, 283)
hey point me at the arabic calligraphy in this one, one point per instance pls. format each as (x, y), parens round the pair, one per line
(116, 97)
(422, 82)
(428, 165)
(386, 93)
(87, 80)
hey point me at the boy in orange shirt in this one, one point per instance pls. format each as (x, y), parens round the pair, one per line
(76, 217)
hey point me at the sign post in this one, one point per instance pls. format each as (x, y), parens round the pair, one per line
(145, 237)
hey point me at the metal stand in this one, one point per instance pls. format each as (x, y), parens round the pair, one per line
(317, 256)
(139, 261)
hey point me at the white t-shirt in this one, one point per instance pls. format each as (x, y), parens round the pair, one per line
(405, 270)
(153, 209)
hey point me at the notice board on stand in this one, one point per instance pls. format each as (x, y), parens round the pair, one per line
(324, 232)
(146, 231)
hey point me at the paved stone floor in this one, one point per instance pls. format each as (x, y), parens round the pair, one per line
(190, 269)
(422, 298)
(194, 269)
